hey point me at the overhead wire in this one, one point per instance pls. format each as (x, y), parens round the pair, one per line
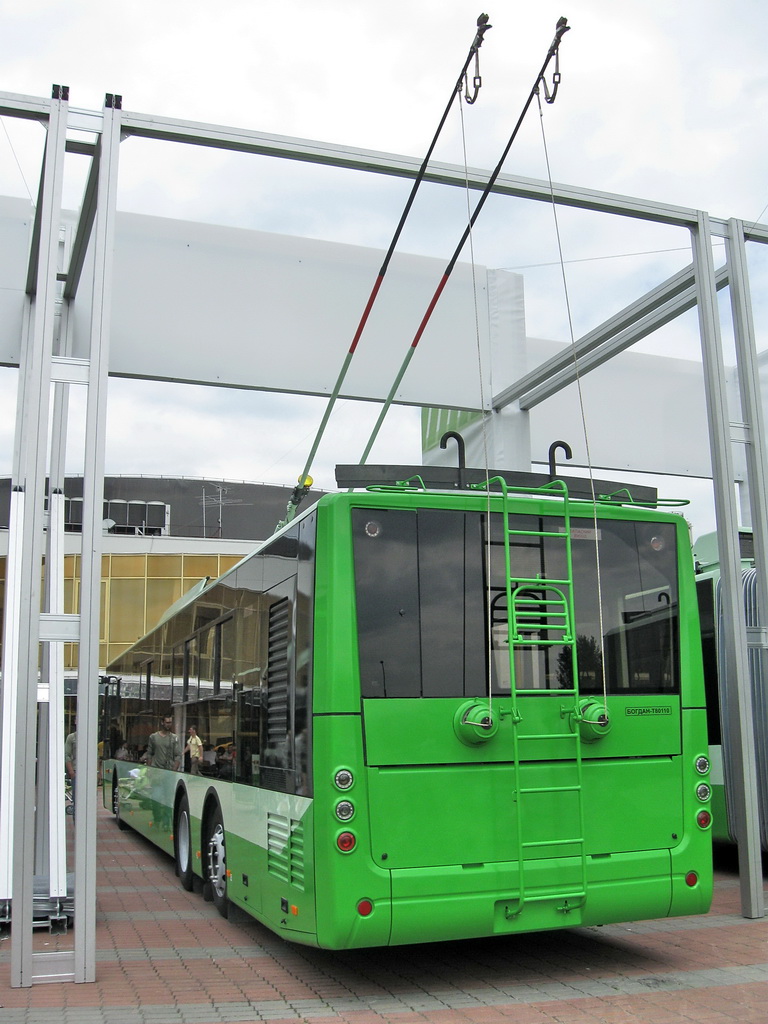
(15, 157)
(561, 29)
(609, 256)
(461, 83)
(582, 411)
(483, 422)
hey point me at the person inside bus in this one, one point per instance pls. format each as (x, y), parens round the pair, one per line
(194, 748)
(164, 749)
(208, 764)
(115, 738)
(225, 759)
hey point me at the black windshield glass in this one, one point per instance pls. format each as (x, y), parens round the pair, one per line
(430, 587)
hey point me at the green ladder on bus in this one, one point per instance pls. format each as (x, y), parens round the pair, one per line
(540, 613)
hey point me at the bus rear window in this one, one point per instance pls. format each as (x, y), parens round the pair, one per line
(431, 604)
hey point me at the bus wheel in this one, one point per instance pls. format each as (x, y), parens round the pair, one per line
(216, 863)
(116, 806)
(182, 845)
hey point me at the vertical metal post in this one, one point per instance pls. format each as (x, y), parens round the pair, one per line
(734, 639)
(752, 412)
(90, 587)
(32, 422)
(54, 821)
(53, 662)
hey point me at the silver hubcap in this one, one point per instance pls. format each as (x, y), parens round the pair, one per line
(182, 840)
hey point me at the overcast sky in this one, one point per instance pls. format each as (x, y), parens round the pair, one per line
(663, 101)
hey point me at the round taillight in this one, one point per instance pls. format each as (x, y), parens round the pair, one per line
(344, 810)
(364, 908)
(343, 778)
(703, 819)
(703, 792)
(346, 841)
(702, 765)
(691, 879)
(373, 528)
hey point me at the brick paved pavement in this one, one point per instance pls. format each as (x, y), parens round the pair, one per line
(166, 957)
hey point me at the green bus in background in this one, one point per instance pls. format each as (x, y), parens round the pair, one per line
(433, 715)
(718, 680)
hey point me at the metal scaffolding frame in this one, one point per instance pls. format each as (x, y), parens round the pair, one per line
(46, 369)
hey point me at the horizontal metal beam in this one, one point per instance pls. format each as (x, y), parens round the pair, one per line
(245, 141)
(290, 148)
(59, 627)
(34, 108)
(69, 370)
(636, 321)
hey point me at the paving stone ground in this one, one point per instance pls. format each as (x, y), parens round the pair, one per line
(167, 957)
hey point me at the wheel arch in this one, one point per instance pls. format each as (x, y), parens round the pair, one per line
(211, 803)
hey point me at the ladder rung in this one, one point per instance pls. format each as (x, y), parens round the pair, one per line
(537, 533)
(537, 580)
(540, 602)
(527, 642)
(579, 895)
(546, 693)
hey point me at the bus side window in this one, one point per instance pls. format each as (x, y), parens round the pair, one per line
(248, 737)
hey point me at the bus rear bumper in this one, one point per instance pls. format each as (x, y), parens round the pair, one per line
(460, 903)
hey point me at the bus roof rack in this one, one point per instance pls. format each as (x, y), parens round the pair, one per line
(448, 478)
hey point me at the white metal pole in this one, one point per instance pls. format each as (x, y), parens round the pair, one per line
(90, 578)
(33, 422)
(734, 638)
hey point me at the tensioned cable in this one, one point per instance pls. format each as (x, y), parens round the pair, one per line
(483, 422)
(15, 157)
(584, 428)
(461, 84)
(610, 256)
(562, 28)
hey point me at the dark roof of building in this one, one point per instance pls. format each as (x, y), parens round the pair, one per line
(178, 506)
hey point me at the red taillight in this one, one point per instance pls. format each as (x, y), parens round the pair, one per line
(703, 819)
(346, 841)
(364, 908)
(691, 878)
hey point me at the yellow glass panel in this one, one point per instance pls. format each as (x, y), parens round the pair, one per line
(160, 596)
(70, 655)
(70, 596)
(197, 566)
(103, 656)
(103, 611)
(125, 566)
(104, 566)
(163, 565)
(69, 567)
(115, 650)
(126, 610)
(227, 561)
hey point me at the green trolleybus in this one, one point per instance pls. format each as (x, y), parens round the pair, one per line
(433, 715)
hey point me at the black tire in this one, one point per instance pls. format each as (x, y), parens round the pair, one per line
(216, 862)
(116, 806)
(182, 845)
